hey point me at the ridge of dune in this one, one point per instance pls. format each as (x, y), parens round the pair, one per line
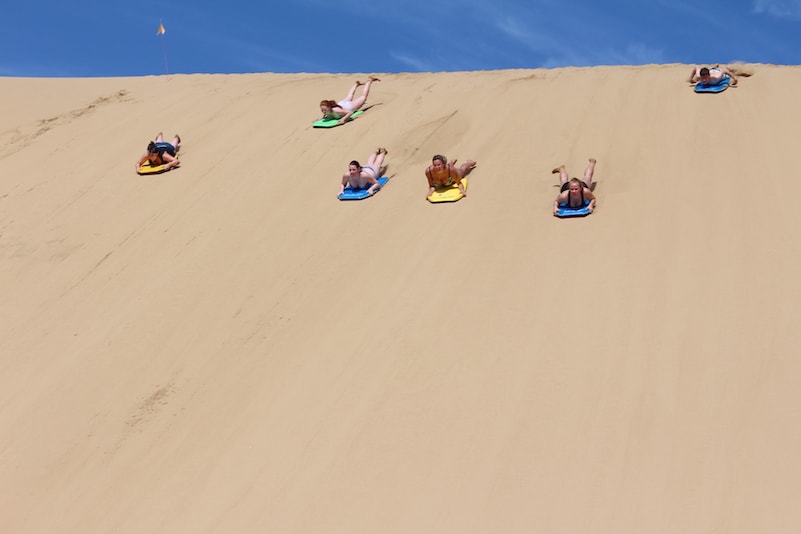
(228, 348)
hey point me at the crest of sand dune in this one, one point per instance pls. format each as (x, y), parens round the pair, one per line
(228, 348)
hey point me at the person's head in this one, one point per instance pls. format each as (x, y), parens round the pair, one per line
(327, 105)
(439, 162)
(354, 169)
(152, 151)
(574, 186)
(703, 74)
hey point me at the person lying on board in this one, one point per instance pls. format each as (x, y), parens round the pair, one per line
(442, 174)
(714, 76)
(161, 153)
(572, 191)
(346, 107)
(366, 177)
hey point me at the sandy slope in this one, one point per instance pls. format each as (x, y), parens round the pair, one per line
(228, 348)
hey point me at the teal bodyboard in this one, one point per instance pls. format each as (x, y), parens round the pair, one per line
(719, 87)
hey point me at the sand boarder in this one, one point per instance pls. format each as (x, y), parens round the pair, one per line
(366, 177)
(346, 107)
(572, 191)
(161, 153)
(714, 76)
(441, 173)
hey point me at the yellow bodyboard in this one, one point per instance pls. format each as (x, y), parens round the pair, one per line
(448, 193)
(145, 168)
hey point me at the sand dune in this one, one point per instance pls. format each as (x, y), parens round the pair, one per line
(228, 348)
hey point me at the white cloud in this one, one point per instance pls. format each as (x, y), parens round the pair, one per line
(779, 8)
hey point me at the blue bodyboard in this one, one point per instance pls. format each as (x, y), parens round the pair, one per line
(564, 211)
(358, 194)
(719, 87)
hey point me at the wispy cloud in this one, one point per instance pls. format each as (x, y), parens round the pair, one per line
(416, 64)
(536, 39)
(790, 9)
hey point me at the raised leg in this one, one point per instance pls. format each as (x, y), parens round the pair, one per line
(563, 177)
(359, 102)
(588, 172)
(352, 91)
(466, 168)
(376, 160)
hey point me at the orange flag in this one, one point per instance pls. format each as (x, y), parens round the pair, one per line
(161, 30)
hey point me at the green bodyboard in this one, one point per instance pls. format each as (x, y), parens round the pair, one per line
(330, 123)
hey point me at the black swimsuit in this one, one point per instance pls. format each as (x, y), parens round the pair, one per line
(566, 204)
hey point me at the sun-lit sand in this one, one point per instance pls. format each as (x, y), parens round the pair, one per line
(227, 348)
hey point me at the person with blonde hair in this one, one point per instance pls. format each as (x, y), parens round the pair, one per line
(575, 193)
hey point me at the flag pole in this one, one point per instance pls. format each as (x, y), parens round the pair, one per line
(161, 31)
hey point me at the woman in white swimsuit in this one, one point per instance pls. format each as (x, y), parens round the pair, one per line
(366, 177)
(343, 109)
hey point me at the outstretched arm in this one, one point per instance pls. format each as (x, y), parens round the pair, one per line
(141, 161)
(373, 188)
(454, 173)
(728, 71)
(693, 76)
(171, 161)
(431, 187)
(346, 116)
(591, 197)
(561, 197)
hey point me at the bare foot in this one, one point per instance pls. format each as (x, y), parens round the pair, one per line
(178, 137)
(383, 150)
(358, 83)
(592, 160)
(471, 164)
(558, 169)
(733, 82)
(373, 79)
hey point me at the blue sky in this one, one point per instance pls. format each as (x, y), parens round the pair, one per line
(91, 38)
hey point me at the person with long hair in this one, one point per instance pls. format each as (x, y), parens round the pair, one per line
(343, 109)
(364, 177)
